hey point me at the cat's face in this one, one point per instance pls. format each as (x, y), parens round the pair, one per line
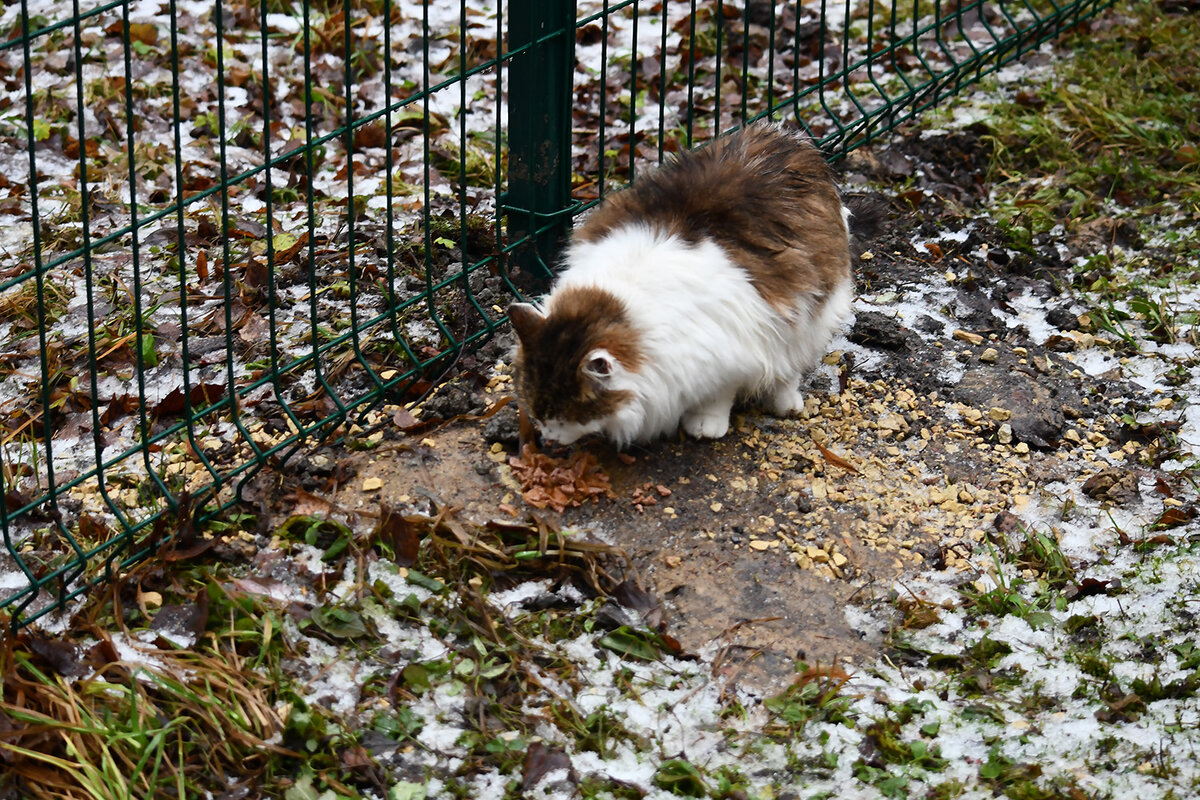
(575, 363)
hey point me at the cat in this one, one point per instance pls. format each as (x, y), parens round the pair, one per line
(718, 277)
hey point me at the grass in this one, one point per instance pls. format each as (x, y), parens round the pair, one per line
(1115, 125)
(92, 720)
(815, 695)
(123, 730)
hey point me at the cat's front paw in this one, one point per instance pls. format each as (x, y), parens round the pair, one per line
(706, 425)
(786, 402)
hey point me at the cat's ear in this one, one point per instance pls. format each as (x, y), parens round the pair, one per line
(525, 320)
(599, 364)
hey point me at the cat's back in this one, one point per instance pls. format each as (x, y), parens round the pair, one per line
(764, 196)
(761, 177)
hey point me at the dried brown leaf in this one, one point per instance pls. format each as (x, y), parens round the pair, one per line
(119, 407)
(200, 394)
(202, 266)
(548, 482)
(629, 594)
(835, 459)
(540, 761)
(1173, 517)
(399, 534)
(61, 656)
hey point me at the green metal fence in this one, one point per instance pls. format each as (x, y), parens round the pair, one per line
(227, 231)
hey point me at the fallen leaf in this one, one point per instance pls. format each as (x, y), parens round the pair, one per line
(191, 618)
(255, 280)
(200, 394)
(835, 459)
(548, 482)
(14, 499)
(119, 407)
(61, 656)
(338, 622)
(202, 266)
(822, 674)
(143, 32)
(405, 421)
(1174, 517)
(629, 594)
(540, 761)
(262, 587)
(287, 245)
(400, 535)
(309, 504)
(1092, 586)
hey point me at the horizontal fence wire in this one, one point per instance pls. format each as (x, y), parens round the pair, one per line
(230, 231)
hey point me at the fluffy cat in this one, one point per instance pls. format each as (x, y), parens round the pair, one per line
(718, 277)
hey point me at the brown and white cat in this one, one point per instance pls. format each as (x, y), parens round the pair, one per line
(717, 277)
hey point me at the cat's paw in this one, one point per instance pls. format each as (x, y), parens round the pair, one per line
(706, 424)
(787, 401)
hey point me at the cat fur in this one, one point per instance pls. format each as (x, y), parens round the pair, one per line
(721, 276)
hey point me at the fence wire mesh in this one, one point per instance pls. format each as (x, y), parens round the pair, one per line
(230, 230)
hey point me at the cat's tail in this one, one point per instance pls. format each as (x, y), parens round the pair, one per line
(865, 215)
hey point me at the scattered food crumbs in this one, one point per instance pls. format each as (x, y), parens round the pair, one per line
(372, 484)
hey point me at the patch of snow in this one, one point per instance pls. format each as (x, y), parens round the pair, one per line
(1030, 313)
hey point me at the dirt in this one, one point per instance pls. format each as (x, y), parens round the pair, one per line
(914, 440)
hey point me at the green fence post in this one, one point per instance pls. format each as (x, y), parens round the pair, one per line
(540, 99)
